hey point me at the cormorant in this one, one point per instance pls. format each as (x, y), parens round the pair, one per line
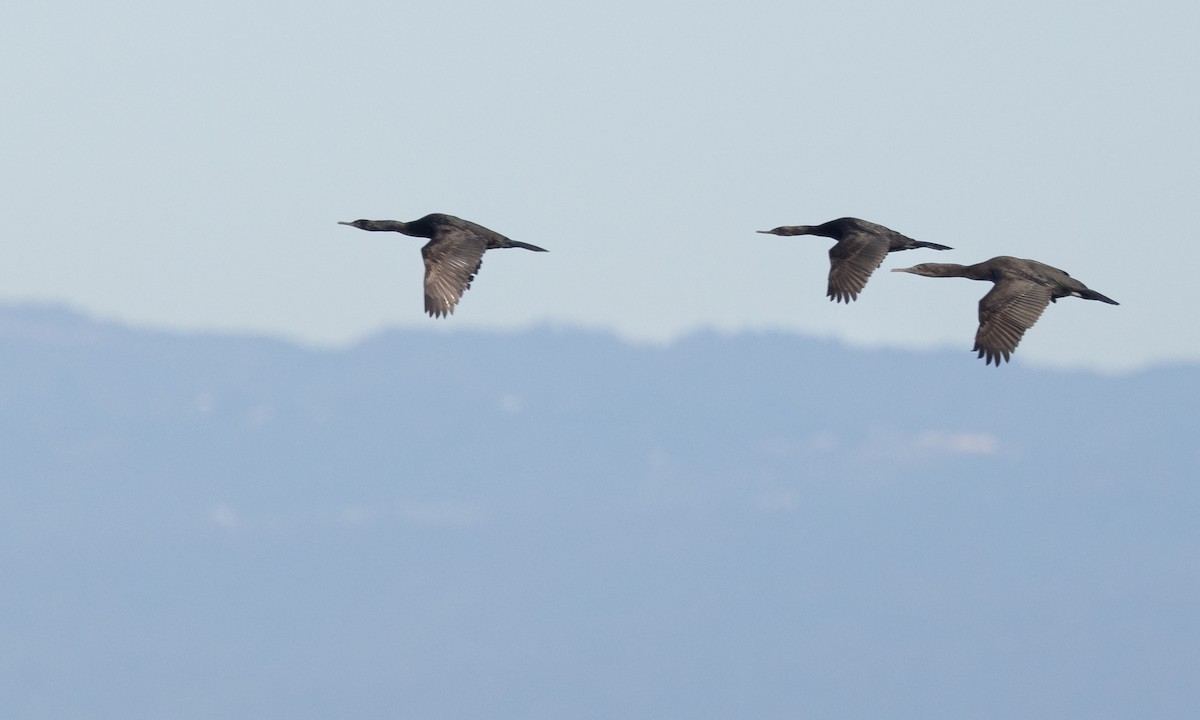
(452, 256)
(860, 249)
(1024, 288)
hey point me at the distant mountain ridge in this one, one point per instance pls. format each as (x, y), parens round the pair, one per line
(442, 387)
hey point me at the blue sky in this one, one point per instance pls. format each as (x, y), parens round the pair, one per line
(185, 166)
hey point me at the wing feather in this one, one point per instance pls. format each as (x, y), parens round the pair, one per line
(851, 262)
(1005, 313)
(452, 258)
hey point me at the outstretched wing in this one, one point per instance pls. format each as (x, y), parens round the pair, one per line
(851, 262)
(452, 258)
(1005, 313)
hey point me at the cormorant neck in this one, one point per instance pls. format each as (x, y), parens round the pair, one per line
(382, 226)
(798, 230)
(974, 272)
(836, 229)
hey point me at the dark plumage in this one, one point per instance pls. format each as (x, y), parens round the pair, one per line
(452, 256)
(1023, 290)
(860, 249)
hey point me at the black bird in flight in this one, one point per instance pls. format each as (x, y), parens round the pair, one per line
(452, 255)
(1023, 290)
(860, 249)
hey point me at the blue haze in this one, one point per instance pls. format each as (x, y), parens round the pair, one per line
(558, 524)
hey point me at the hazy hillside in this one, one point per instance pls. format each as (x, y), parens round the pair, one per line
(556, 524)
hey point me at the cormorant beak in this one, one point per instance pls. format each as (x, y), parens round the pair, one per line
(907, 269)
(345, 223)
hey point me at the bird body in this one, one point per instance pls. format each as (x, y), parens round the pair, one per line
(452, 256)
(860, 249)
(1023, 290)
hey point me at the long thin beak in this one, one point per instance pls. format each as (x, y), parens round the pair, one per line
(345, 223)
(907, 269)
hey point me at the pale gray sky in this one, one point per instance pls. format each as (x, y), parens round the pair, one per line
(185, 165)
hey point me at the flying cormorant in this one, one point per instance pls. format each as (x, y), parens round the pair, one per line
(1024, 288)
(452, 256)
(860, 249)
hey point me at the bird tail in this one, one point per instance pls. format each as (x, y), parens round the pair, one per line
(1093, 295)
(931, 246)
(527, 246)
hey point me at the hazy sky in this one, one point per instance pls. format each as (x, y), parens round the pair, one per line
(184, 165)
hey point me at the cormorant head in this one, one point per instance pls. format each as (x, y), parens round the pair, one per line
(928, 269)
(789, 230)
